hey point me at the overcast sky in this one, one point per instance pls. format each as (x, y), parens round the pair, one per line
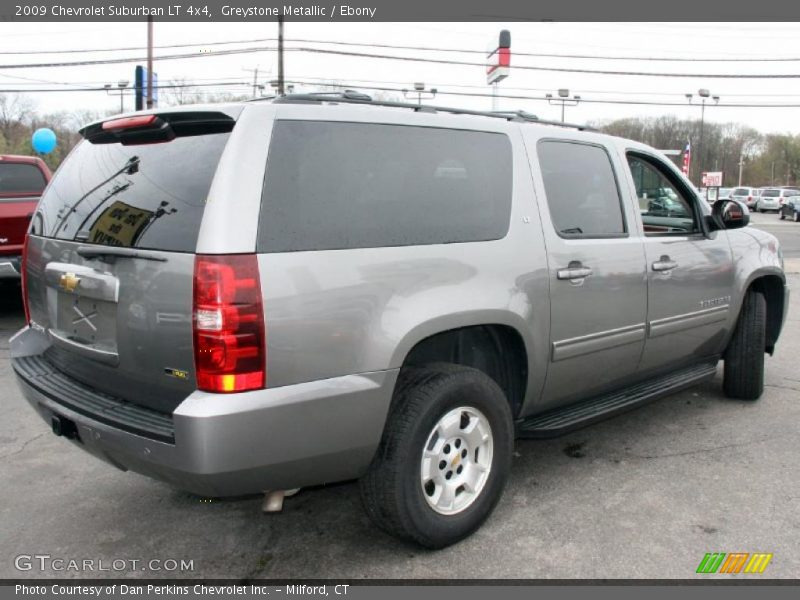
(665, 40)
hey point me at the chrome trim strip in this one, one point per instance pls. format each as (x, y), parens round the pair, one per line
(595, 342)
(685, 321)
(104, 356)
(93, 284)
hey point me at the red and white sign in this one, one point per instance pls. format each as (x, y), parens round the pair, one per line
(498, 62)
(712, 179)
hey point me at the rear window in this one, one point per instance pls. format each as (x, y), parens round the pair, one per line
(770, 193)
(18, 178)
(333, 185)
(741, 192)
(148, 196)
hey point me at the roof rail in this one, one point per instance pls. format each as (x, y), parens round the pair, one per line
(354, 97)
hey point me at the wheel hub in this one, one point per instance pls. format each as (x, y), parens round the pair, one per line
(456, 460)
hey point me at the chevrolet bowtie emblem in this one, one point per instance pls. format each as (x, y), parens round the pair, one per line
(69, 282)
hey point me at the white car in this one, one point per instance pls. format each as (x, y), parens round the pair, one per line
(748, 195)
(773, 198)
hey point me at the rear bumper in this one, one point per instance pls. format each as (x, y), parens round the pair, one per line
(768, 205)
(9, 267)
(227, 445)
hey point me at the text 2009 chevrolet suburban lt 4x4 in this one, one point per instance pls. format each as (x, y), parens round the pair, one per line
(278, 294)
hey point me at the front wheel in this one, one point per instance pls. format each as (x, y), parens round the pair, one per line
(445, 456)
(744, 357)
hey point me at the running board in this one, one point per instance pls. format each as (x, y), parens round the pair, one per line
(558, 421)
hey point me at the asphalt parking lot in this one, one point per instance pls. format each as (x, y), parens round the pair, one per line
(644, 495)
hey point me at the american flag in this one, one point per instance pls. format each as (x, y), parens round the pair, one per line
(687, 159)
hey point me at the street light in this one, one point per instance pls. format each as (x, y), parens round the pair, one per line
(122, 84)
(419, 90)
(704, 94)
(563, 99)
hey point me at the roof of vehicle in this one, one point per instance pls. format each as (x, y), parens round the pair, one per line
(19, 158)
(348, 98)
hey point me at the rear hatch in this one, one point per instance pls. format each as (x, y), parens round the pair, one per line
(21, 184)
(111, 255)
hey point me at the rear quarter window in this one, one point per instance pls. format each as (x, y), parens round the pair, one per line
(21, 178)
(334, 185)
(149, 196)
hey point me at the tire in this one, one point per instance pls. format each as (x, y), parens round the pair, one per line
(744, 357)
(797, 217)
(783, 216)
(401, 489)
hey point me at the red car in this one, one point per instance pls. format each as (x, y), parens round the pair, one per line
(22, 180)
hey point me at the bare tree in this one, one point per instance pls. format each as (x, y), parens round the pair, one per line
(15, 112)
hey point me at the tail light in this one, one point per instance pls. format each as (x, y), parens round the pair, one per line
(24, 276)
(229, 339)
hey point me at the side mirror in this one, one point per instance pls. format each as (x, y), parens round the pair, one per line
(730, 214)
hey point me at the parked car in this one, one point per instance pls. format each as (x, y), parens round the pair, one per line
(773, 198)
(724, 193)
(277, 294)
(791, 208)
(22, 179)
(748, 195)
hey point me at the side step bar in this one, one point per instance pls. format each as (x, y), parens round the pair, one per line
(558, 421)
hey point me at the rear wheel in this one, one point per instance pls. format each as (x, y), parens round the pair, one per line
(444, 458)
(783, 216)
(744, 357)
(797, 217)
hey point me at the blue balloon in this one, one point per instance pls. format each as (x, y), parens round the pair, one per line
(44, 140)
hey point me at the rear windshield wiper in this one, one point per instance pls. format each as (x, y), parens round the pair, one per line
(130, 167)
(118, 252)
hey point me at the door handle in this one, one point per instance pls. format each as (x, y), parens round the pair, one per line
(665, 263)
(574, 271)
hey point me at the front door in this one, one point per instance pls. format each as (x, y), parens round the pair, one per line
(596, 269)
(689, 273)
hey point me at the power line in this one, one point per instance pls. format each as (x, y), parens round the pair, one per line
(245, 86)
(416, 59)
(413, 47)
(130, 48)
(102, 89)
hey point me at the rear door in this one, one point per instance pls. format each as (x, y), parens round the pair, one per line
(111, 259)
(21, 184)
(596, 263)
(689, 273)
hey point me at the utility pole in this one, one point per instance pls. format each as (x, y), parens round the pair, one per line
(280, 56)
(741, 165)
(150, 62)
(704, 94)
(257, 87)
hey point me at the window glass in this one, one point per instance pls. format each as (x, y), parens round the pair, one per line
(334, 185)
(145, 196)
(581, 189)
(663, 206)
(771, 193)
(19, 178)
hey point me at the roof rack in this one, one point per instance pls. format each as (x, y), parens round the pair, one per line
(354, 97)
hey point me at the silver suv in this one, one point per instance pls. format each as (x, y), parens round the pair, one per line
(270, 295)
